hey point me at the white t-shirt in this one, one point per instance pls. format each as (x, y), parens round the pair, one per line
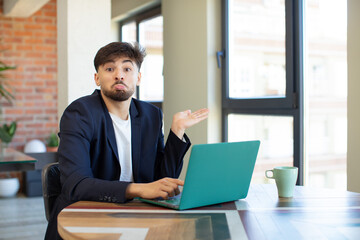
(123, 140)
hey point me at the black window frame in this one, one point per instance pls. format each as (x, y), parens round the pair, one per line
(292, 104)
(138, 18)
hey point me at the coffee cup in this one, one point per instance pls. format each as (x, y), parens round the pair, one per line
(285, 178)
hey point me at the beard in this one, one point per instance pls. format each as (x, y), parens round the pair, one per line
(118, 95)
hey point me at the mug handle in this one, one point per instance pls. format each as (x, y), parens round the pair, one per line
(266, 174)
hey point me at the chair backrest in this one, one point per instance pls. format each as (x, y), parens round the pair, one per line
(51, 186)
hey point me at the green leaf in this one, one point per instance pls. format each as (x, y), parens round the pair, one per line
(7, 131)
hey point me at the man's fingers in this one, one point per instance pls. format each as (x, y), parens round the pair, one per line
(171, 186)
(177, 191)
(201, 114)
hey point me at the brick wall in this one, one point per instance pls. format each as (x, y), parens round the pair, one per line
(31, 45)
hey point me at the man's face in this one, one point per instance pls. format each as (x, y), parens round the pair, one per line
(118, 79)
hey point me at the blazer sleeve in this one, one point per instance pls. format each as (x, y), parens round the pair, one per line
(77, 130)
(169, 159)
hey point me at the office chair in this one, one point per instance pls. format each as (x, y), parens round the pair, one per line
(51, 186)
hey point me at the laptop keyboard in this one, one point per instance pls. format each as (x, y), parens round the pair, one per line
(171, 200)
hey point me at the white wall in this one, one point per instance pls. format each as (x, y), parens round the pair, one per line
(124, 8)
(191, 77)
(353, 156)
(83, 27)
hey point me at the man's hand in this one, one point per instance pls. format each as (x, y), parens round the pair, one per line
(165, 187)
(183, 120)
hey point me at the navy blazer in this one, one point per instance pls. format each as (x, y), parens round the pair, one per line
(88, 154)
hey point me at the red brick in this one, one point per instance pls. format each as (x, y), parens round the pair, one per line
(43, 62)
(15, 111)
(51, 55)
(14, 83)
(34, 55)
(51, 41)
(44, 76)
(11, 40)
(44, 20)
(23, 76)
(45, 34)
(23, 61)
(34, 111)
(9, 54)
(52, 83)
(50, 14)
(24, 48)
(23, 33)
(51, 111)
(33, 41)
(24, 90)
(34, 69)
(38, 14)
(33, 27)
(7, 25)
(52, 125)
(34, 125)
(51, 69)
(33, 97)
(44, 48)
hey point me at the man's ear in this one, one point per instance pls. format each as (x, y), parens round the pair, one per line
(139, 79)
(96, 78)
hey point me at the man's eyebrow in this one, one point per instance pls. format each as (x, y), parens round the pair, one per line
(128, 60)
(110, 61)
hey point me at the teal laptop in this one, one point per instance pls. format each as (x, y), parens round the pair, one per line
(216, 173)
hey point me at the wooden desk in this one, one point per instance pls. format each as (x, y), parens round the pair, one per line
(310, 214)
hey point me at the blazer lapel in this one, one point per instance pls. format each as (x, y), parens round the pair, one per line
(135, 139)
(110, 132)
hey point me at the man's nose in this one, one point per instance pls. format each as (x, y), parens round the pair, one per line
(119, 75)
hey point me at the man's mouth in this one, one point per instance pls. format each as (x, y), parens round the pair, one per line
(119, 86)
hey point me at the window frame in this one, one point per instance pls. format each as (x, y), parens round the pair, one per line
(138, 18)
(292, 103)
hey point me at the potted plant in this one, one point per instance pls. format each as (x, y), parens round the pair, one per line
(7, 131)
(52, 143)
(9, 185)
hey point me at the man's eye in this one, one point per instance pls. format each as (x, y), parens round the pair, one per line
(127, 69)
(109, 69)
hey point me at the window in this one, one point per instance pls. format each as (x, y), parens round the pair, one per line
(284, 83)
(261, 92)
(147, 29)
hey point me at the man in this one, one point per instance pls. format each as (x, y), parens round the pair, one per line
(112, 146)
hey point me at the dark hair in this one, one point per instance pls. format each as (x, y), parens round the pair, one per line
(115, 50)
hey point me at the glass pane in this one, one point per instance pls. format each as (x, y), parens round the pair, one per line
(276, 140)
(152, 82)
(128, 32)
(326, 92)
(257, 49)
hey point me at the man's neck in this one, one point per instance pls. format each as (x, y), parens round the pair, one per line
(120, 109)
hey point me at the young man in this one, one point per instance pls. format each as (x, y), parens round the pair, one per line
(112, 146)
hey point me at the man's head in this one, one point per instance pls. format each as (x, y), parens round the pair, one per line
(118, 70)
(116, 50)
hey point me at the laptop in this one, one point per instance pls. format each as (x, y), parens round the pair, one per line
(216, 173)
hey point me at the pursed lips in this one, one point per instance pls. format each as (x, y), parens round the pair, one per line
(119, 86)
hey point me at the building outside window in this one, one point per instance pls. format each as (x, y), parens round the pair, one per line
(147, 29)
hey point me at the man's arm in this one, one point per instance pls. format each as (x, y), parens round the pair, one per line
(168, 187)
